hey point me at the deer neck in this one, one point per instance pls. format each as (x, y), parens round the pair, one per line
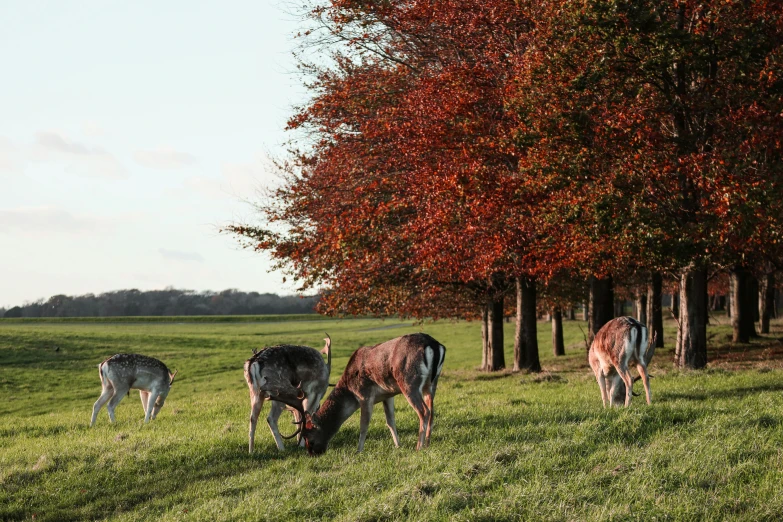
(335, 410)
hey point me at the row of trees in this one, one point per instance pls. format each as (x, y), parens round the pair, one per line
(456, 154)
(163, 302)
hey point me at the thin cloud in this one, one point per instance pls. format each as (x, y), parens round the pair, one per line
(56, 142)
(44, 220)
(10, 156)
(178, 255)
(164, 158)
(80, 158)
(92, 128)
(237, 180)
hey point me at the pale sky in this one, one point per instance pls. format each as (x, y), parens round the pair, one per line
(129, 132)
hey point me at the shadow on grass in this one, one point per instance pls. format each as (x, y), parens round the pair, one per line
(492, 376)
(107, 490)
(720, 394)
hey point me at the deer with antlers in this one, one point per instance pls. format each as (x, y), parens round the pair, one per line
(409, 365)
(126, 371)
(286, 371)
(620, 343)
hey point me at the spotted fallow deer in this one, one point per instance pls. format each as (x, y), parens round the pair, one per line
(127, 371)
(409, 365)
(288, 371)
(620, 343)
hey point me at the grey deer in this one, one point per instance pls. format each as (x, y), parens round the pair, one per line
(620, 343)
(127, 371)
(409, 365)
(288, 370)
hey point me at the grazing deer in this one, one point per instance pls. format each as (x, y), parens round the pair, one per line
(618, 344)
(286, 370)
(127, 371)
(409, 365)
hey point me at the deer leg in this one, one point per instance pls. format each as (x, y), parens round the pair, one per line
(153, 396)
(604, 392)
(364, 422)
(256, 403)
(388, 409)
(274, 414)
(642, 369)
(119, 394)
(417, 403)
(145, 399)
(625, 375)
(429, 400)
(106, 394)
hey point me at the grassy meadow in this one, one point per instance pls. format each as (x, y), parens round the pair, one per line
(504, 447)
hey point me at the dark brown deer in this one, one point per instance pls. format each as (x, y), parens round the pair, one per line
(620, 343)
(127, 371)
(286, 370)
(409, 365)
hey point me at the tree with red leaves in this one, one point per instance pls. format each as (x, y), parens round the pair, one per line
(458, 149)
(661, 126)
(407, 199)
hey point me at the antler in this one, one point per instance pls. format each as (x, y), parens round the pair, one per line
(171, 379)
(300, 422)
(328, 351)
(297, 405)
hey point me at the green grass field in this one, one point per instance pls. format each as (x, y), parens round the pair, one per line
(504, 447)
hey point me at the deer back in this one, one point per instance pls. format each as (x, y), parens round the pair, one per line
(620, 341)
(281, 368)
(136, 371)
(388, 364)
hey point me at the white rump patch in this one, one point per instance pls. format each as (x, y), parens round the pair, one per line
(630, 346)
(427, 363)
(442, 358)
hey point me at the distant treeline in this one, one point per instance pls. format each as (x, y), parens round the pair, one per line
(163, 302)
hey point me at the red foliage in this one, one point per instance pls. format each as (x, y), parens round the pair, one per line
(454, 145)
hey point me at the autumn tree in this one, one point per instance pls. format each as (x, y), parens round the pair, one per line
(408, 188)
(648, 122)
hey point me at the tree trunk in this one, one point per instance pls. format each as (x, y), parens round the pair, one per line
(691, 349)
(484, 336)
(494, 358)
(641, 308)
(519, 332)
(586, 312)
(728, 298)
(753, 300)
(526, 354)
(743, 303)
(766, 300)
(675, 307)
(558, 346)
(654, 308)
(572, 314)
(601, 305)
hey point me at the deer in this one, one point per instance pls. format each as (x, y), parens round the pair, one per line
(621, 342)
(409, 365)
(123, 372)
(284, 370)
